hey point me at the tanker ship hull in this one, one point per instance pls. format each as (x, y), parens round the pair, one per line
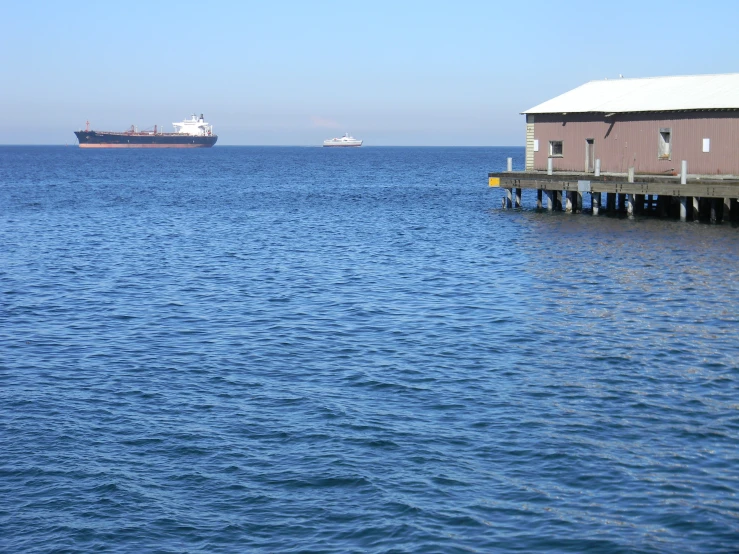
(96, 139)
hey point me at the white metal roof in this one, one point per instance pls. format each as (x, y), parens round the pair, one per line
(653, 94)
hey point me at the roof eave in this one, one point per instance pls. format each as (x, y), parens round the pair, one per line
(615, 112)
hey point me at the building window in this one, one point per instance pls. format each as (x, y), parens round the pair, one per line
(555, 148)
(665, 144)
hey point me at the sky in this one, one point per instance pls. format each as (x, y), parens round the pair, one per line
(295, 73)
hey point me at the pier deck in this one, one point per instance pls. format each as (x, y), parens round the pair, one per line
(700, 197)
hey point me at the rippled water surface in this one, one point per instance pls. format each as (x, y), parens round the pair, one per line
(318, 350)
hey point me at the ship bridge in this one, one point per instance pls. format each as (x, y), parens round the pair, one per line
(194, 126)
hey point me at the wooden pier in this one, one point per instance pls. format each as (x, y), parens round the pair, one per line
(709, 198)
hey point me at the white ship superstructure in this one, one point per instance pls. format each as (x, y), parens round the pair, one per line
(346, 140)
(196, 127)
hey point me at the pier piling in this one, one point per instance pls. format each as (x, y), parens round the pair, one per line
(663, 205)
(629, 200)
(611, 202)
(638, 204)
(703, 198)
(621, 203)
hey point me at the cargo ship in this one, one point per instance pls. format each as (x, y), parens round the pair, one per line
(190, 133)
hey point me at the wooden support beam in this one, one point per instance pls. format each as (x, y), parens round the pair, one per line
(663, 205)
(538, 199)
(638, 204)
(611, 202)
(696, 208)
(518, 198)
(595, 202)
(629, 200)
(621, 203)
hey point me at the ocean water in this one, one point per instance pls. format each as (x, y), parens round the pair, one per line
(263, 350)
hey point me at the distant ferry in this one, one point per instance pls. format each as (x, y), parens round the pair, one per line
(346, 140)
(190, 133)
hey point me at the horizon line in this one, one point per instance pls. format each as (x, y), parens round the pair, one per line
(310, 146)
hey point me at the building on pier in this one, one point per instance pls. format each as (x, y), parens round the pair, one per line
(647, 126)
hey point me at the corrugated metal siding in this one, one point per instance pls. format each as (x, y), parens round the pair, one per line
(529, 142)
(631, 140)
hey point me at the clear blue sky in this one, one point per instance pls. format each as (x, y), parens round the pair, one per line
(283, 72)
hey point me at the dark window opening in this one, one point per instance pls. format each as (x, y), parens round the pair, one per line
(664, 151)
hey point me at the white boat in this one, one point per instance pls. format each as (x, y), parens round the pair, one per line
(346, 140)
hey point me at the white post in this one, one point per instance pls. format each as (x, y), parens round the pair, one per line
(550, 200)
(631, 175)
(549, 166)
(597, 167)
(510, 164)
(684, 172)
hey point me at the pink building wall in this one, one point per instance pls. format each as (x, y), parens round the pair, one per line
(632, 140)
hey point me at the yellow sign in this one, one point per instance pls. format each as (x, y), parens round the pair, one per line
(494, 181)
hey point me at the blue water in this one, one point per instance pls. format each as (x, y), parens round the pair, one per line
(317, 350)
